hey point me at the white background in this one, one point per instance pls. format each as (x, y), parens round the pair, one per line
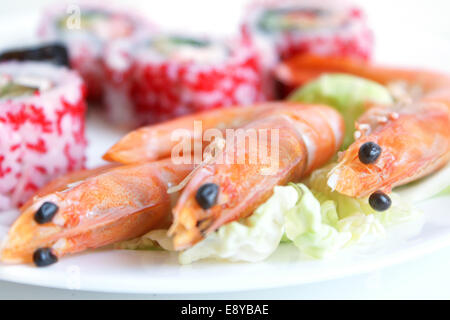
(223, 16)
(423, 278)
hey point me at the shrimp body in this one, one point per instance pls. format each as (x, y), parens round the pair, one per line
(309, 135)
(118, 203)
(62, 182)
(154, 142)
(414, 134)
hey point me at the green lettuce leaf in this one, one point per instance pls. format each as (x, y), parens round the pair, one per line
(250, 239)
(346, 93)
(312, 229)
(324, 221)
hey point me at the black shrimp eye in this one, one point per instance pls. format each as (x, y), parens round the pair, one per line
(380, 201)
(46, 212)
(43, 257)
(369, 152)
(207, 195)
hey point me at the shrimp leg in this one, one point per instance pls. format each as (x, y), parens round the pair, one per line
(118, 204)
(309, 136)
(413, 135)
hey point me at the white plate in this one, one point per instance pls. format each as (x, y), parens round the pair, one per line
(158, 272)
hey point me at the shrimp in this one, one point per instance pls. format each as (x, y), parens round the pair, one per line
(154, 142)
(113, 204)
(413, 135)
(308, 136)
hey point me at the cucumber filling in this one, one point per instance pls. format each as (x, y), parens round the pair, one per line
(189, 49)
(87, 20)
(298, 19)
(14, 90)
(22, 86)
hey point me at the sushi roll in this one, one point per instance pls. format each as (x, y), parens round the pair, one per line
(85, 29)
(163, 76)
(283, 28)
(42, 110)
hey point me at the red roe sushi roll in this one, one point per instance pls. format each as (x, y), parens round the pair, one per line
(163, 76)
(326, 27)
(42, 110)
(283, 28)
(86, 29)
